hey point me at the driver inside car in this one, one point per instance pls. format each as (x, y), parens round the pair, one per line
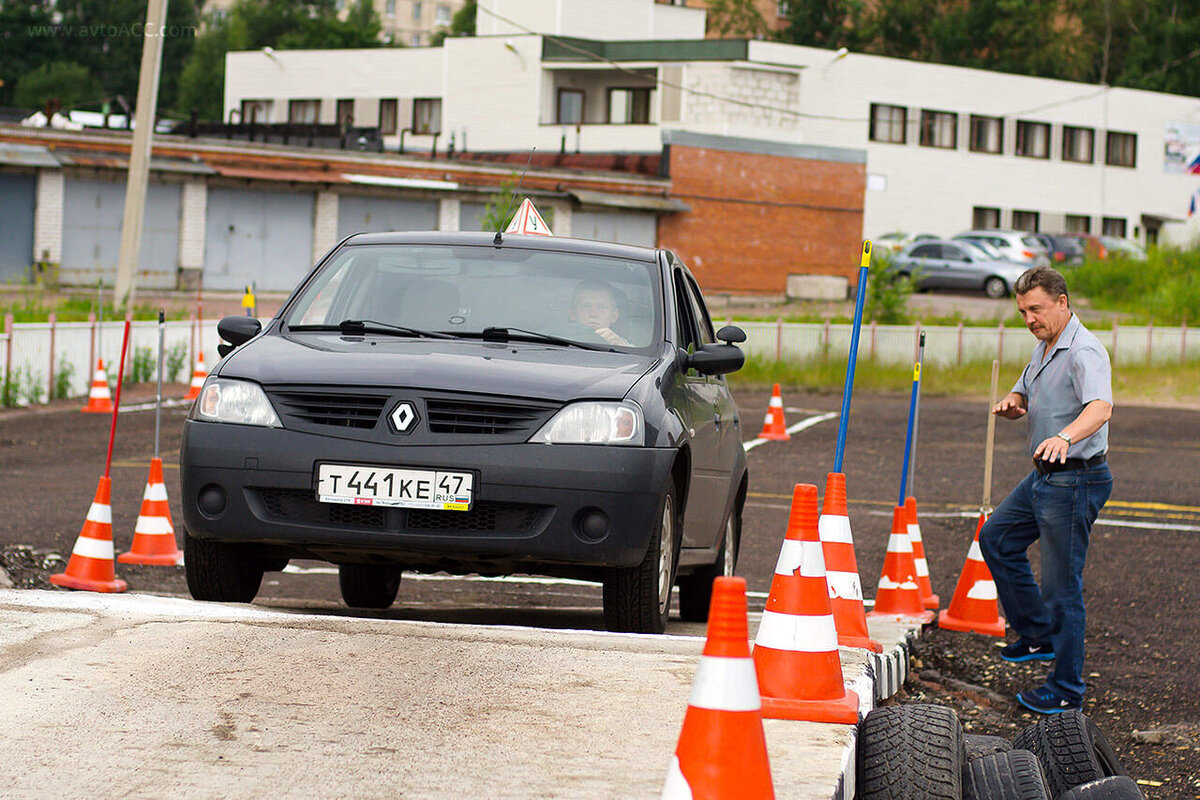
(594, 304)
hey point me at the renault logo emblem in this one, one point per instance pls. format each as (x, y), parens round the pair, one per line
(403, 416)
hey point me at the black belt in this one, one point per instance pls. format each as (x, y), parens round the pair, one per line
(1046, 467)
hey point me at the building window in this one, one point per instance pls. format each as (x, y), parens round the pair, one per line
(985, 218)
(390, 8)
(1025, 221)
(442, 16)
(1113, 226)
(629, 106)
(256, 111)
(427, 115)
(570, 107)
(304, 111)
(939, 129)
(414, 40)
(345, 112)
(1121, 150)
(889, 123)
(1078, 144)
(1079, 223)
(987, 134)
(387, 116)
(1033, 139)
(417, 9)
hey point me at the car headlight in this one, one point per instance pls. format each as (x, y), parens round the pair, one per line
(241, 402)
(594, 422)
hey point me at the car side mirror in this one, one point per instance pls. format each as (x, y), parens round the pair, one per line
(715, 359)
(237, 331)
(731, 334)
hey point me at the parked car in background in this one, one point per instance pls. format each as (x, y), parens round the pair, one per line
(1096, 246)
(1020, 247)
(897, 240)
(957, 264)
(1064, 249)
(1091, 244)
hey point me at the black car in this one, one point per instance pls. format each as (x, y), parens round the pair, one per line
(471, 403)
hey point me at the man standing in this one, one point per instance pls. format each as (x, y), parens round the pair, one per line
(1066, 390)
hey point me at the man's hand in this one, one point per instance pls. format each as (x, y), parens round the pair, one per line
(1011, 407)
(610, 336)
(1051, 450)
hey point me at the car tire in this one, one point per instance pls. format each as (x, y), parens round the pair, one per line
(1064, 746)
(980, 746)
(995, 288)
(695, 590)
(1011, 775)
(369, 585)
(638, 599)
(910, 751)
(1115, 787)
(1110, 762)
(220, 572)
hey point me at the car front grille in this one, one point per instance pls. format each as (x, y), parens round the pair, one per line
(337, 409)
(300, 506)
(457, 415)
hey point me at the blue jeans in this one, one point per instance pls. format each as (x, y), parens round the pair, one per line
(1058, 508)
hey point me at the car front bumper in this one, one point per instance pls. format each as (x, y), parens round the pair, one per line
(534, 505)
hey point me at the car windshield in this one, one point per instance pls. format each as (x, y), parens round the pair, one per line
(416, 289)
(980, 248)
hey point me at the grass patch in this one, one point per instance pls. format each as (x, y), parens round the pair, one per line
(35, 306)
(1163, 289)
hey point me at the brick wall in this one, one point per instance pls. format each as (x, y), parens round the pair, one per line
(756, 217)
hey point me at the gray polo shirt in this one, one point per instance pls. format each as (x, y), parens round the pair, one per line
(1057, 389)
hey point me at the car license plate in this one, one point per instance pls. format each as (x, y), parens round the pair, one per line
(395, 487)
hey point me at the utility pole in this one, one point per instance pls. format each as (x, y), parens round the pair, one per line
(139, 153)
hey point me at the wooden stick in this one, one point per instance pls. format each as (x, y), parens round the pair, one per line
(991, 440)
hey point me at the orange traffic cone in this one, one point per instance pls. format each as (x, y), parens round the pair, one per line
(973, 607)
(774, 426)
(928, 598)
(841, 567)
(91, 564)
(153, 534)
(898, 594)
(722, 751)
(99, 397)
(796, 650)
(198, 376)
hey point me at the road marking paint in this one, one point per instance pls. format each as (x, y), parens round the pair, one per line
(799, 426)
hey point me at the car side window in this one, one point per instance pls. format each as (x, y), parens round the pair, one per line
(685, 326)
(953, 253)
(926, 251)
(700, 313)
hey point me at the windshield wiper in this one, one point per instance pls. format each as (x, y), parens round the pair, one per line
(357, 327)
(497, 334)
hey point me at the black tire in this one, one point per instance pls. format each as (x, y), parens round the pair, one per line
(1062, 743)
(995, 288)
(695, 590)
(1114, 787)
(1110, 763)
(220, 572)
(638, 599)
(1010, 775)
(980, 746)
(369, 585)
(910, 752)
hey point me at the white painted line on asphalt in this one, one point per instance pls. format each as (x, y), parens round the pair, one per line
(799, 426)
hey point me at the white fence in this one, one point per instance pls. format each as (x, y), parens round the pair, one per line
(37, 352)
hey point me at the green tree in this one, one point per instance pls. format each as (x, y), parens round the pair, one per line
(28, 43)
(70, 83)
(461, 24)
(824, 23)
(738, 19)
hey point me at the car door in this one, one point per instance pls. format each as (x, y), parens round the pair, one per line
(927, 266)
(961, 270)
(699, 407)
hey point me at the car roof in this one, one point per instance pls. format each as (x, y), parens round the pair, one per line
(512, 240)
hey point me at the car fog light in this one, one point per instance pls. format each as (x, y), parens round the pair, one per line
(592, 524)
(212, 500)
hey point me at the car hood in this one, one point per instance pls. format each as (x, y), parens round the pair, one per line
(518, 369)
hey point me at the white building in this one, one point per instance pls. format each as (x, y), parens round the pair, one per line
(948, 148)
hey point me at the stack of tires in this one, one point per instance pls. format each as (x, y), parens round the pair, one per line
(906, 752)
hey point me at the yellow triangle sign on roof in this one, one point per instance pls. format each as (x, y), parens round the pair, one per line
(528, 220)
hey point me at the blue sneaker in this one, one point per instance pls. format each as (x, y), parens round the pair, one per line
(1046, 701)
(1022, 650)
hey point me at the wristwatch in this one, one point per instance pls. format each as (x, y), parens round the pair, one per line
(1064, 437)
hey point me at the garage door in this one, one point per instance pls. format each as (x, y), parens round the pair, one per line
(17, 197)
(623, 227)
(358, 214)
(92, 214)
(260, 238)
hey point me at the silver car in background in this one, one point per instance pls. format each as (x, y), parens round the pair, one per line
(1020, 247)
(958, 264)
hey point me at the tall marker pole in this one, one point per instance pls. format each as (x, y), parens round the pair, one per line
(158, 394)
(910, 437)
(112, 431)
(861, 295)
(986, 508)
(916, 426)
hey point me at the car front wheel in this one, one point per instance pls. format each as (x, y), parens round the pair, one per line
(995, 288)
(638, 599)
(369, 585)
(220, 572)
(695, 590)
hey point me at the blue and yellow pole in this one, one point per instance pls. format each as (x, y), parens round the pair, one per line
(910, 437)
(859, 299)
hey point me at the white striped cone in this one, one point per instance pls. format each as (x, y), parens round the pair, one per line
(841, 568)
(99, 397)
(974, 607)
(899, 594)
(154, 534)
(198, 376)
(90, 567)
(774, 424)
(928, 598)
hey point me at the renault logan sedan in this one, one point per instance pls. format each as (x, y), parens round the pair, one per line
(471, 403)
